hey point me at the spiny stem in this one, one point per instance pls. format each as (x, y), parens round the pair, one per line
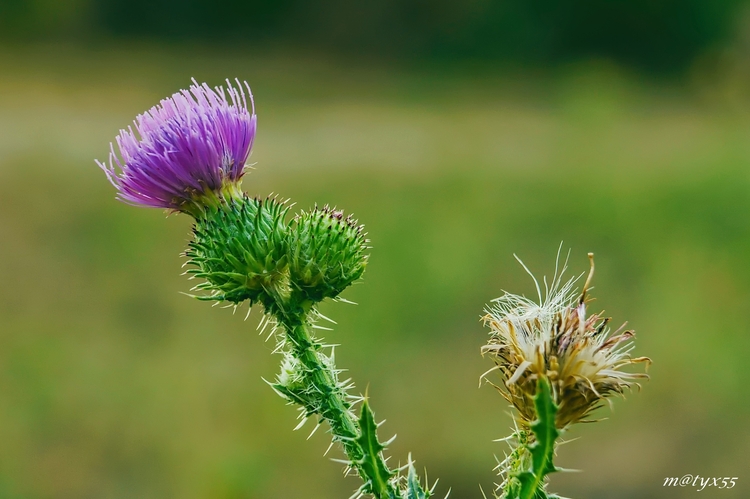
(531, 461)
(330, 402)
(334, 409)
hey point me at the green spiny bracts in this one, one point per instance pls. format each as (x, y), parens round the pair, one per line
(327, 253)
(240, 248)
(199, 204)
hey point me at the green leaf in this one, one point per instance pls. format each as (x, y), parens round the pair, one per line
(414, 489)
(372, 465)
(543, 448)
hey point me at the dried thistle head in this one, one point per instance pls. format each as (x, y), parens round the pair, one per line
(579, 354)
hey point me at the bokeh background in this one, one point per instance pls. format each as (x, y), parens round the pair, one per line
(459, 133)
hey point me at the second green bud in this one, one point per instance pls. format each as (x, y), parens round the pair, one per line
(327, 253)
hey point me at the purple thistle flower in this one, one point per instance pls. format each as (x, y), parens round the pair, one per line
(189, 151)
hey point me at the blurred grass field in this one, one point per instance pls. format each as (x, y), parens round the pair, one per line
(115, 385)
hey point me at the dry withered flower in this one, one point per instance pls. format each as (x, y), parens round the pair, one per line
(579, 354)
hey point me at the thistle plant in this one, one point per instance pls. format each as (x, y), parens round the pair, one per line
(557, 365)
(188, 155)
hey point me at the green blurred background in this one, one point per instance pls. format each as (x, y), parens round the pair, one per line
(459, 133)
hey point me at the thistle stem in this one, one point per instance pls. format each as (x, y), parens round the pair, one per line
(334, 409)
(330, 401)
(531, 460)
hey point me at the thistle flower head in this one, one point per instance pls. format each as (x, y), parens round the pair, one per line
(187, 152)
(556, 339)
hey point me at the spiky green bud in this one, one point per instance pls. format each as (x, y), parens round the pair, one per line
(327, 253)
(293, 384)
(241, 249)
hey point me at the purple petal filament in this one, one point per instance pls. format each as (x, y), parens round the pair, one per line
(190, 146)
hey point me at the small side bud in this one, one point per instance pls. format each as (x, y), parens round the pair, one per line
(327, 253)
(240, 249)
(292, 384)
